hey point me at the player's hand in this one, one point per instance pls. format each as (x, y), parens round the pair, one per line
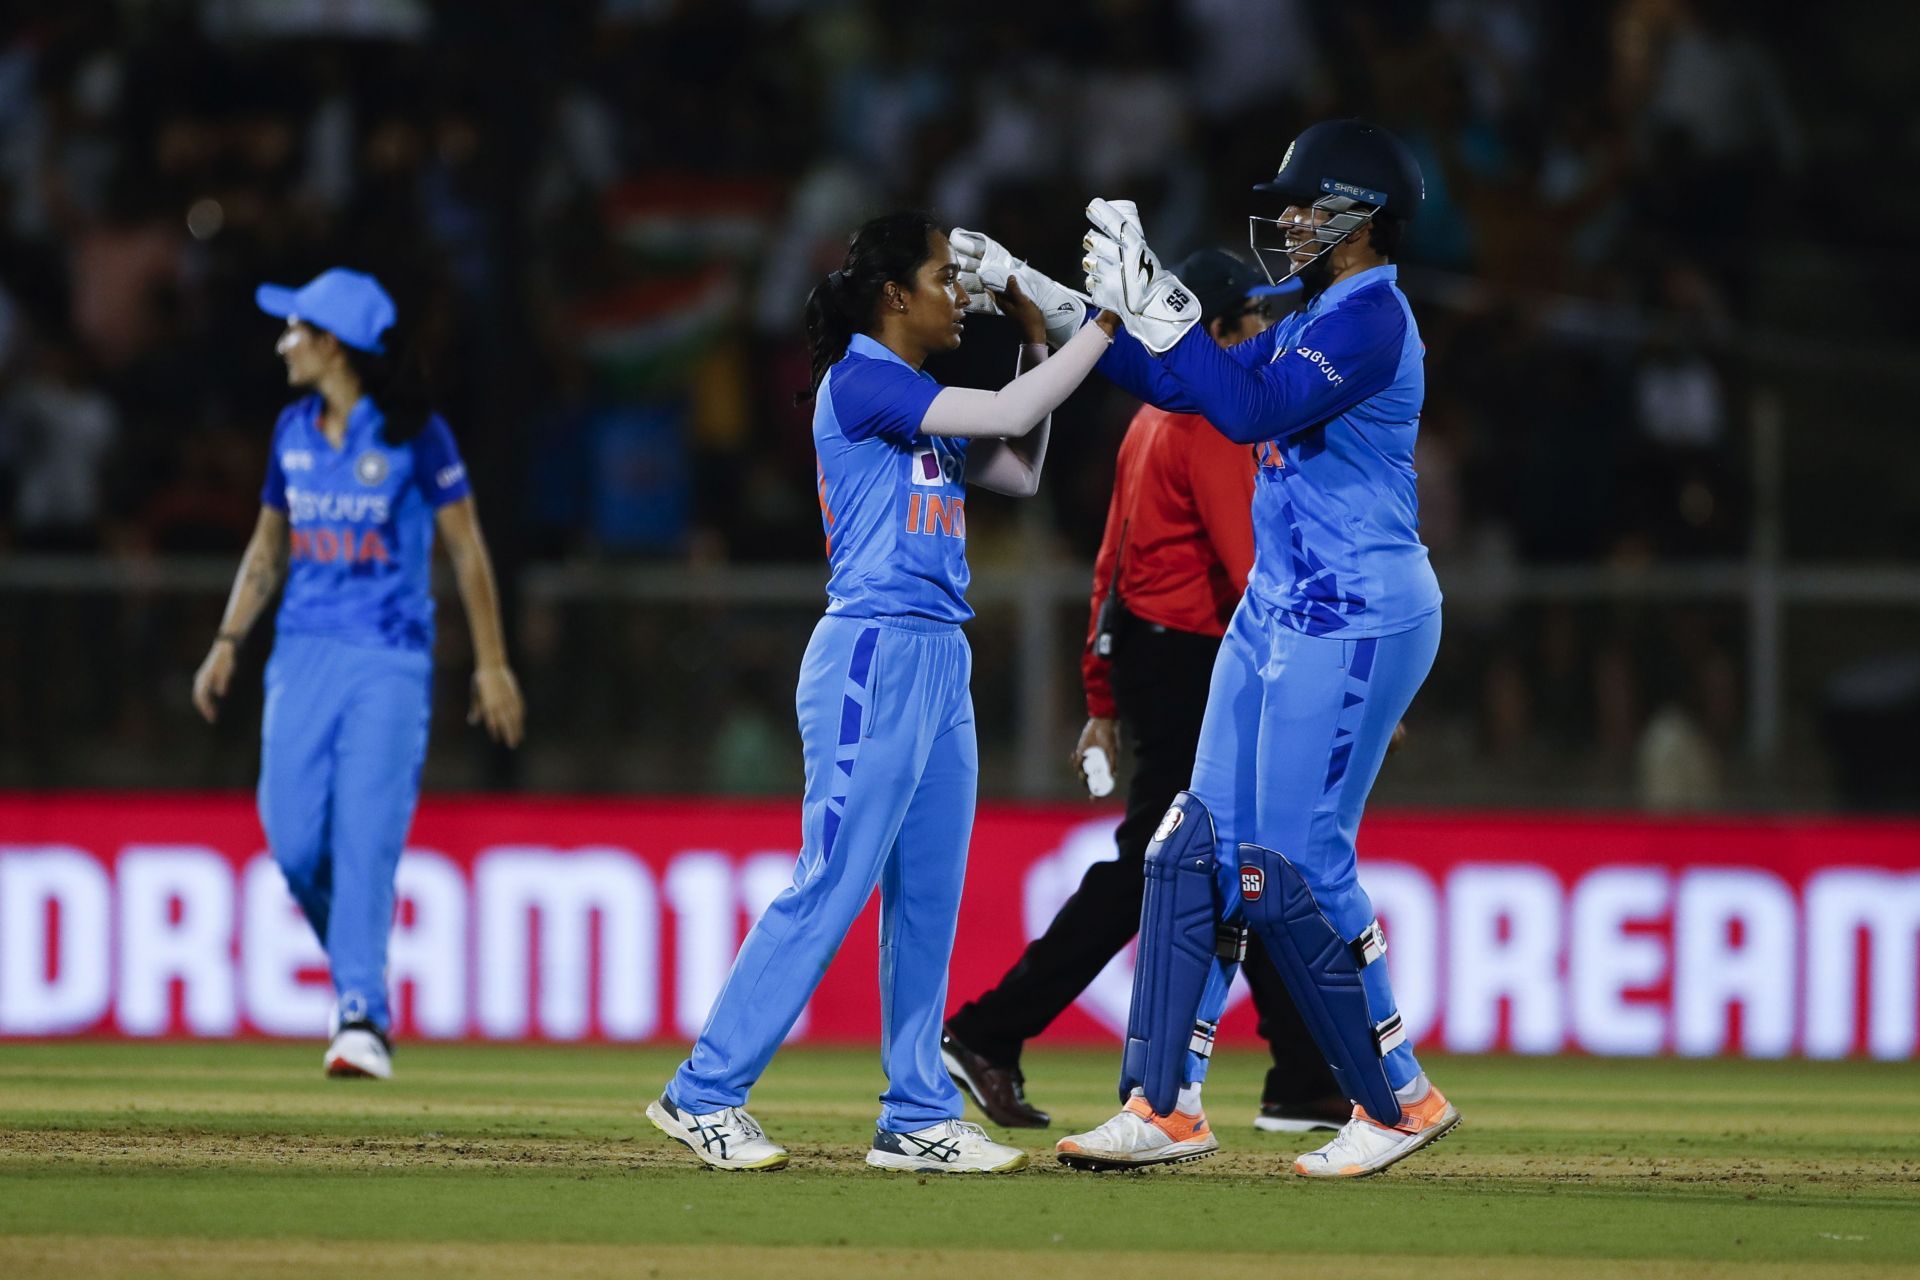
(1124, 276)
(984, 262)
(1398, 739)
(211, 680)
(1018, 307)
(497, 704)
(981, 299)
(1101, 732)
(1102, 262)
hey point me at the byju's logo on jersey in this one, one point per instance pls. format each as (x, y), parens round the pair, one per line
(1253, 882)
(929, 468)
(370, 468)
(1318, 359)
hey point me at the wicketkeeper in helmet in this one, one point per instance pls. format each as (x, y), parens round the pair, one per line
(1338, 628)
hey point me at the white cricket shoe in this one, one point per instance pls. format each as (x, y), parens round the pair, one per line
(1365, 1146)
(1137, 1138)
(358, 1051)
(726, 1139)
(952, 1146)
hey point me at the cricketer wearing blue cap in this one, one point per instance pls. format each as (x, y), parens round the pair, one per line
(360, 473)
(885, 709)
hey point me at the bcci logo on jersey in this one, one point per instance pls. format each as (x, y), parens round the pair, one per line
(370, 468)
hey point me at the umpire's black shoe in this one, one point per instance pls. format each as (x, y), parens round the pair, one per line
(1001, 1092)
(1329, 1112)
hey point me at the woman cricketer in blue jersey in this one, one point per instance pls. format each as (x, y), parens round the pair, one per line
(885, 711)
(360, 475)
(1337, 630)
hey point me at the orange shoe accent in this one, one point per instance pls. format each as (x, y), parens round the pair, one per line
(1180, 1126)
(1416, 1117)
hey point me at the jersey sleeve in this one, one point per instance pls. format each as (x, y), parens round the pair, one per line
(273, 491)
(437, 467)
(878, 398)
(1096, 669)
(1133, 368)
(1130, 366)
(1344, 357)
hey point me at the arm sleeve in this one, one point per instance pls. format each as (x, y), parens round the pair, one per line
(1096, 672)
(1220, 475)
(1345, 357)
(878, 398)
(1001, 465)
(273, 491)
(1022, 404)
(437, 468)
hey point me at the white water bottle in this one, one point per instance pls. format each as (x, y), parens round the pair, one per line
(1099, 772)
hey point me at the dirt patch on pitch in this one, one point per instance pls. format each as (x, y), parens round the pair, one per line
(188, 1148)
(1445, 1164)
(644, 1151)
(34, 1257)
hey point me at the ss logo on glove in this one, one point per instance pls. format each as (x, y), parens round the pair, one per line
(1177, 301)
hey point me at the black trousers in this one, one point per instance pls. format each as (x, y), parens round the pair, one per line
(1160, 680)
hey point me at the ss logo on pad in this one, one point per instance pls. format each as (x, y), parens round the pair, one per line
(1253, 883)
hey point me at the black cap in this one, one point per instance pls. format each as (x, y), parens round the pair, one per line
(1221, 282)
(1350, 158)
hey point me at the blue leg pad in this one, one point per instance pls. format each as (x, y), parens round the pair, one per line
(1323, 974)
(1179, 932)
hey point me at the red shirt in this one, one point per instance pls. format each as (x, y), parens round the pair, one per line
(1183, 496)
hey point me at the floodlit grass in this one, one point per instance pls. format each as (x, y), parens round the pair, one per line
(240, 1159)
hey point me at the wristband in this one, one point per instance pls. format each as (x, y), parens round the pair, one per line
(231, 637)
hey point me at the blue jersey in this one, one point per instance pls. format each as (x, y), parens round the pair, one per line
(1330, 399)
(892, 501)
(362, 524)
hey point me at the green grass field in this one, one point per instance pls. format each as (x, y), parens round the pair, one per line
(241, 1160)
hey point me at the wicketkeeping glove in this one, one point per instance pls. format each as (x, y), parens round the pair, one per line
(1124, 277)
(985, 265)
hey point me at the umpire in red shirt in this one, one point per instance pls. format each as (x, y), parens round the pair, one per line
(1173, 564)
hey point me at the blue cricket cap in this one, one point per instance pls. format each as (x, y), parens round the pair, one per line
(1224, 283)
(350, 305)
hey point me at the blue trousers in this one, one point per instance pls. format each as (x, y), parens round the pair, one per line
(1295, 731)
(341, 745)
(886, 727)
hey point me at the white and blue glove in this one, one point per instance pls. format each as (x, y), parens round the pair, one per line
(985, 266)
(1124, 277)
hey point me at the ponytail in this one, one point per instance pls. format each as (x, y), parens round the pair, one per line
(890, 247)
(396, 382)
(830, 327)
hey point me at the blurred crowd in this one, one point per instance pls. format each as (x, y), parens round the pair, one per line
(607, 215)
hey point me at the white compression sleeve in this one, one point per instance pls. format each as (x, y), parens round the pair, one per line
(1019, 406)
(1005, 466)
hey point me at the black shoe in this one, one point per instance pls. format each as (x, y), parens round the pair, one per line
(1315, 1114)
(1001, 1092)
